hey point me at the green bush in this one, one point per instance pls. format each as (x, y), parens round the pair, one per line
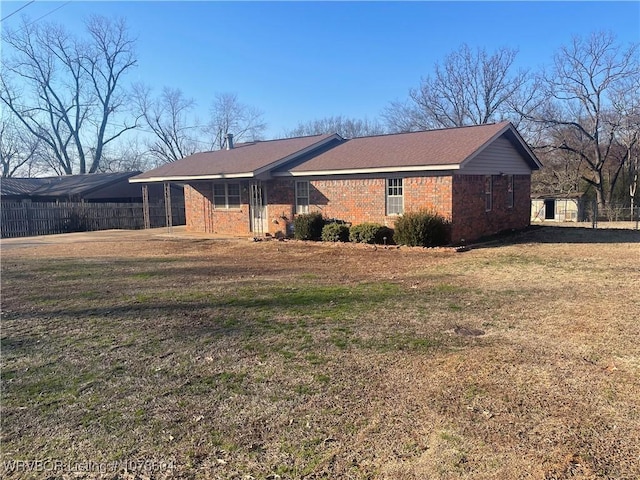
(371, 233)
(308, 226)
(422, 229)
(335, 232)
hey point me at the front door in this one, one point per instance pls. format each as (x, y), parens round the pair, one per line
(258, 208)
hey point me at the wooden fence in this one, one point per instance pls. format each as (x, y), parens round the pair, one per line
(23, 219)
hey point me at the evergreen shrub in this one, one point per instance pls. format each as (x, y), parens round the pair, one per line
(308, 226)
(371, 233)
(335, 232)
(424, 228)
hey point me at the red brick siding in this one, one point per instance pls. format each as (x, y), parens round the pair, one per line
(459, 198)
(364, 200)
(431, 193)
(281, 205)
(469, 218)
(201, 216)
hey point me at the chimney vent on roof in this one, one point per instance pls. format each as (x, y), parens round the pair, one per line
(229, 138)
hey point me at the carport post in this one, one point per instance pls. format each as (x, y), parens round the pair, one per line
(145, 206)
(167, 206)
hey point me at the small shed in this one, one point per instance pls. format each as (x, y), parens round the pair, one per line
(557, 208)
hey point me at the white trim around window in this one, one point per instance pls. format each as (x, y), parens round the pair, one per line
(226, 196)
(394, 196)
(302, 197)
(488, 193)
(510, 194)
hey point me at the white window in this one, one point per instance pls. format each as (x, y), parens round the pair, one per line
(302, 197)
(510, 196)
(226, 195)
(488, 194)
(395, 197)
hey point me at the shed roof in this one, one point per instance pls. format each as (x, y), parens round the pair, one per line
(61, 186)
(19, 186)
(244, 160)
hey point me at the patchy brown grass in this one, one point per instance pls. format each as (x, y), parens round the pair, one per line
(225, 358)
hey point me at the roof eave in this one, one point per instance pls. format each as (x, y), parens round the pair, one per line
(186, 178)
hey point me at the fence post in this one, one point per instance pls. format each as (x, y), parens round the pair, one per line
(167, 206)
(594, 221)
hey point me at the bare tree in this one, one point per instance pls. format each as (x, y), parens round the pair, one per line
(468, 88)
(229, 115)
(71, 88)
(128, 156)
(170, 119)
(626, 104)
(576, 103)
(561, 173)
(19, 149)
(345, 127)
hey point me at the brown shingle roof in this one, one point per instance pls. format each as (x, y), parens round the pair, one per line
(245, 159)
(446, 147)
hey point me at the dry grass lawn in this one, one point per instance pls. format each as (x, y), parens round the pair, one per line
(231, 359)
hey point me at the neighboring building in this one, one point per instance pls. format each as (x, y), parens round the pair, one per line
(42, 206)
(97, 187)
(479, 177)
(557, 208)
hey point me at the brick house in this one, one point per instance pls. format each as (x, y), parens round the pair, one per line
(479, 177)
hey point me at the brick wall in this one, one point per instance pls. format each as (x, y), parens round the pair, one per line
(459, 198)
(470, 219)
(202, 217)
(364, 200)
(281, 207)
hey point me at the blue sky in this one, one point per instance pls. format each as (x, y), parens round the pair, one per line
(299, 61)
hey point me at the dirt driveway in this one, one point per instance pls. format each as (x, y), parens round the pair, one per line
(96, 237)
(580, 232)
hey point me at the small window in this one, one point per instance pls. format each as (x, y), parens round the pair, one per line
(395, 197)
(226, 195)
(302, 197)
(510, 197)
(233, 195)
(488, 194)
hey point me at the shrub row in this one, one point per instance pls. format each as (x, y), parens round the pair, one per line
(424, 228)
